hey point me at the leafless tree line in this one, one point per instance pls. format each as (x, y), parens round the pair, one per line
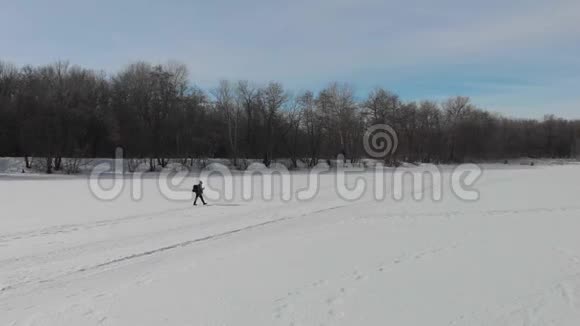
(154, 113)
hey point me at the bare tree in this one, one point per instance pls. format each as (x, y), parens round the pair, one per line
(455, 110)
(313, 127)
(273, 97)
(292, 117)
(248, 98)
(429, 132)
(383, 107)
(342, 117)
(226, 104)
(60, 111)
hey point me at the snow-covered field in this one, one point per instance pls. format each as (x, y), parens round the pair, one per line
(510, 258)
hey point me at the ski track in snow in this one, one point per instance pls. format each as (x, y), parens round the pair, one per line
(68, 228)
(148, 252)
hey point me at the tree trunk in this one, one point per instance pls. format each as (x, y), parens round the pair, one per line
(162, 161)
(27, 160)
(57, 163)
(49, 165)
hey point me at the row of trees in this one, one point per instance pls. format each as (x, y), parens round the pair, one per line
(153, 112)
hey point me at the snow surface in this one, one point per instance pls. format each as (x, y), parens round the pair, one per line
(510, 258)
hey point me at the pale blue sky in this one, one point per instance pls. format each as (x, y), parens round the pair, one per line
(521, 58)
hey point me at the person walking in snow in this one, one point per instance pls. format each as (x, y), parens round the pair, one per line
(198, 190)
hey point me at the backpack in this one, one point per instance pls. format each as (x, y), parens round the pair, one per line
(195, 189)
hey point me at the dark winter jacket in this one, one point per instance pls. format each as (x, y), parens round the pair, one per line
(197, 189)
